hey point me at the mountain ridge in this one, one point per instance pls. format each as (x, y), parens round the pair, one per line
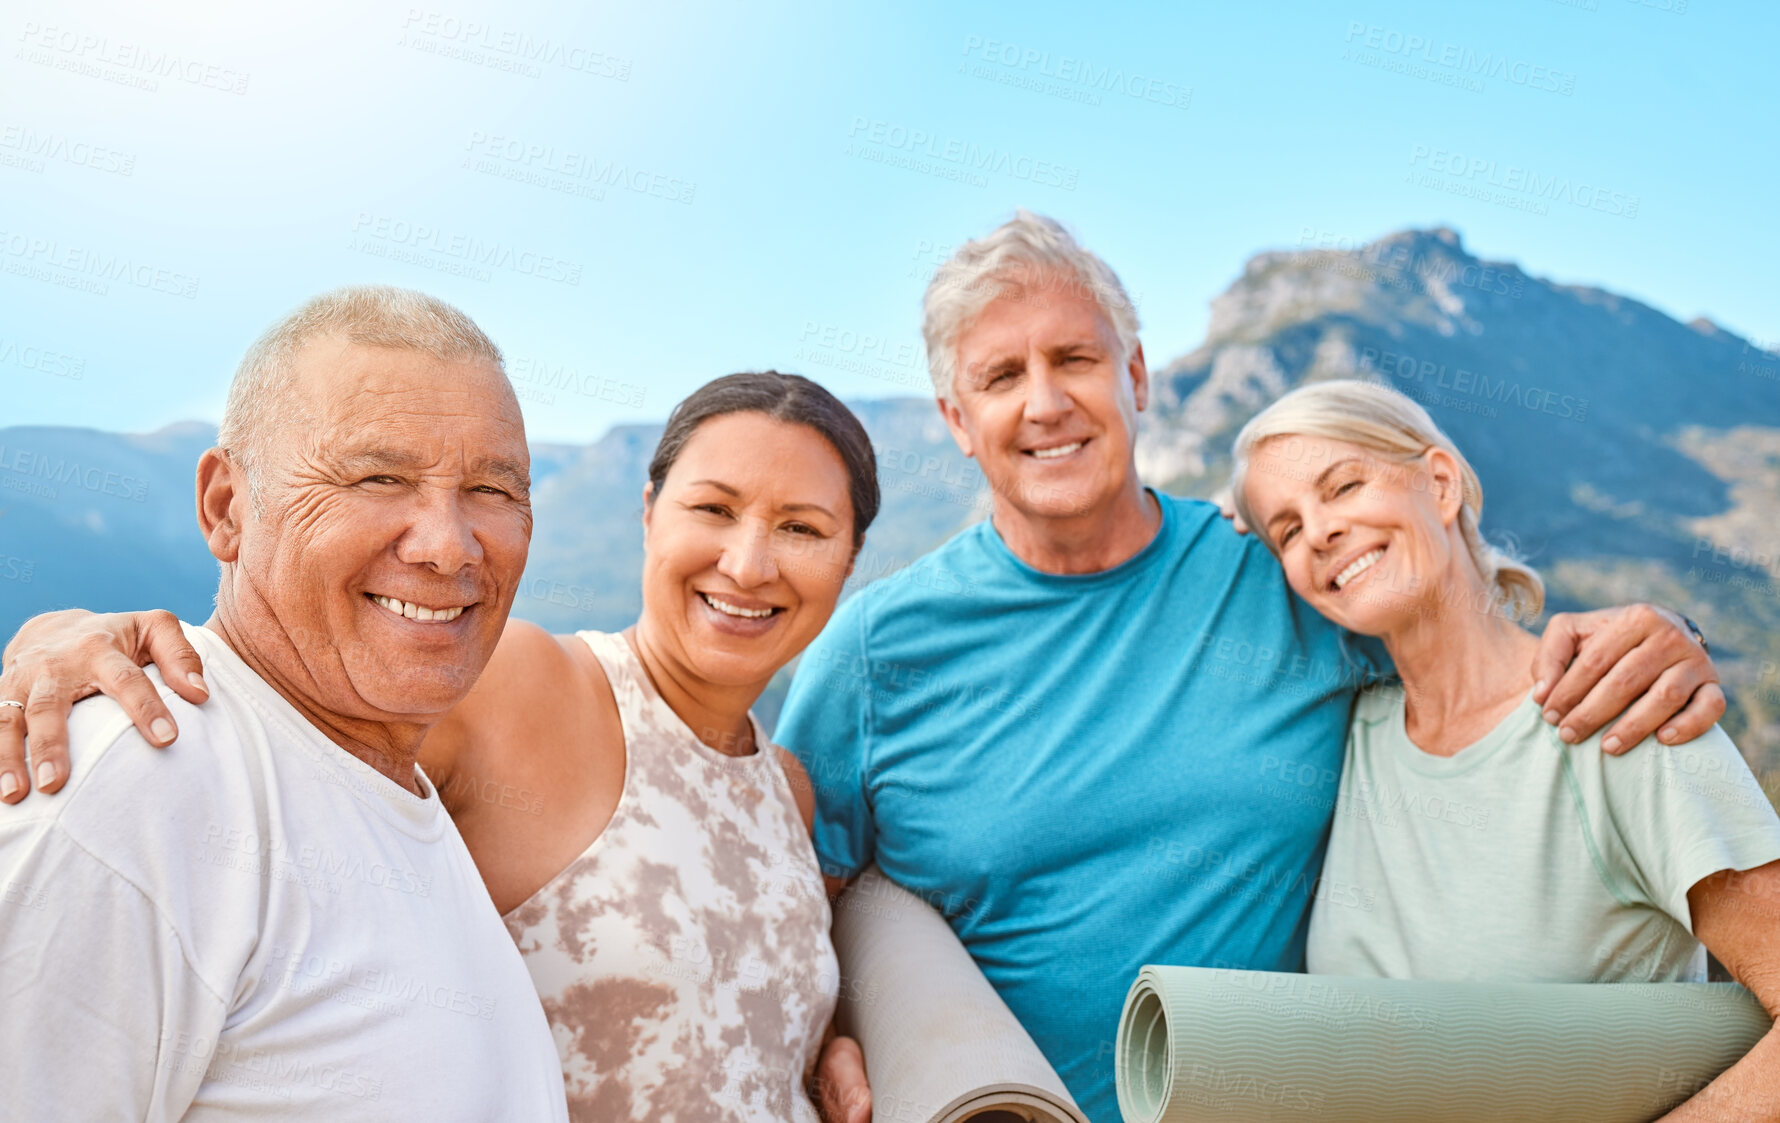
(1628, 455)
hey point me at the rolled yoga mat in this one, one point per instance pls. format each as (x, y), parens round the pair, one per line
(940, 1045)
(1247, 1046)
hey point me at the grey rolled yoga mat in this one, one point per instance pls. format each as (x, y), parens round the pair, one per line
(1204, 1044)
(940, 1046)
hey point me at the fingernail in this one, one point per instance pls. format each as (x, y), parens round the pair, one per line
(197, 680)
(162, 729)
(1666, 736)
(1567, 735)
(1611, 744)
(1551, 717)
(46, 775)
(1539, 690)
(8, 785)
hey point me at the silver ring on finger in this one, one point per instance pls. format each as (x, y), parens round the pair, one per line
(10, 702)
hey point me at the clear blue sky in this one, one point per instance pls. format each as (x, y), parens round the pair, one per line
(770, 136)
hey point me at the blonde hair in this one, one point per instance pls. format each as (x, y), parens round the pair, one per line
(261, 398)
(990, 266)
(1384, 421)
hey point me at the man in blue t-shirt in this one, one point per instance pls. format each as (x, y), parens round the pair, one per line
(1098, 731)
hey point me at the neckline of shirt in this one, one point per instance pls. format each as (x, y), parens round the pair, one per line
(421, 816)
(1134, 565)
(1471, 756)
(672, 722)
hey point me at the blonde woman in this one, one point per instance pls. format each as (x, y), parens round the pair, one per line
(1486, 847)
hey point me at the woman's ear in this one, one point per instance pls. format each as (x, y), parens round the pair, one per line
(1447, 483)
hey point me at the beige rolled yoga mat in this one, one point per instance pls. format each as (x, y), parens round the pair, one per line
(1251, 1046)
(940, 1046)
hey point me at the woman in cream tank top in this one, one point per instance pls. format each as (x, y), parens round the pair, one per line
(699, 912)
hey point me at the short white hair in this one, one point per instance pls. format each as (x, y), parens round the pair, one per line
(1005, 261)
(261, 400)
(1390, 423)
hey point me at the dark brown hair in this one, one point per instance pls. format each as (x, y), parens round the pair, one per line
(782, 397)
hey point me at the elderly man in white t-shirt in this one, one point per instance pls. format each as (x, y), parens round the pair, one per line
(278, 920)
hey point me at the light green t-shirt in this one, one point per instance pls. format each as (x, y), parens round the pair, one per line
(1521, 858)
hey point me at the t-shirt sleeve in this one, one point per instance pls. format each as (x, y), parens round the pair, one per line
(826, 723)
(103, 1018)
(1685, 812)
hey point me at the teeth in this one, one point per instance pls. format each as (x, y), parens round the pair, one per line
(418, 612)
(1359, 566)
(728, 609)
(1053, 453)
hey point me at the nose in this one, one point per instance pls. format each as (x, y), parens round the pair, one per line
(440, 536)
(747, 557)
(1046, 400)
(1324, 529)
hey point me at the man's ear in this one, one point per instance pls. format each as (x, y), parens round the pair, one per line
(222, 503)
(1447, 483)
(954, 419)
(1140, 377)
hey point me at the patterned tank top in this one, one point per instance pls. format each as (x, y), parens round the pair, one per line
(684, 958)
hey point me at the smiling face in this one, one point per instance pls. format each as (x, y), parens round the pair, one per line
(745, 548)
(1371, 543)
(396, 525)
(1045, 401)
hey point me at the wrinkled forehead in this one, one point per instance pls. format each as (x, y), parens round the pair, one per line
(407, 402)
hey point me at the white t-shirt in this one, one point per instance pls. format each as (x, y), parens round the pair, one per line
(253, 924)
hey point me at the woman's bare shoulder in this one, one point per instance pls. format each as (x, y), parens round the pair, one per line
(531, 686)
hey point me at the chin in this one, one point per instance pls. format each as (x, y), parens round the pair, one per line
(1061, 498)
(734, 668)
(418, 691)
(1373, 619)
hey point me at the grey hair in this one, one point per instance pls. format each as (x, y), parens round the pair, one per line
(1001, 262)
(261, 398)
(1394, 425)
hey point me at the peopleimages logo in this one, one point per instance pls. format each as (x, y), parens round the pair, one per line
(131, 64)
(516, 158)
(1480, 173)
(23, 465)
(1075, 79)
(1459, 60)
(969, 156)
(58, 262)
(420, 244)
(35, 148)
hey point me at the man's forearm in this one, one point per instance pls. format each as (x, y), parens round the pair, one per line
(1747, 1092)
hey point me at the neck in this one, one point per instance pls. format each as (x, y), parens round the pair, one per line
(717, 715)
(1090, 542)
(389, 747)
(1463, 670)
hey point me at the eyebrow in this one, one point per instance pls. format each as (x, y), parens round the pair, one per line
(374, 460)
(730, 491)
(1321, 476)
(1324, 474)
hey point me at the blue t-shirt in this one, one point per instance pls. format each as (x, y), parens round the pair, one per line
(1085, 773)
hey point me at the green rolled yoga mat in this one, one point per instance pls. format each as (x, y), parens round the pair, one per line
(1198, 1043)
